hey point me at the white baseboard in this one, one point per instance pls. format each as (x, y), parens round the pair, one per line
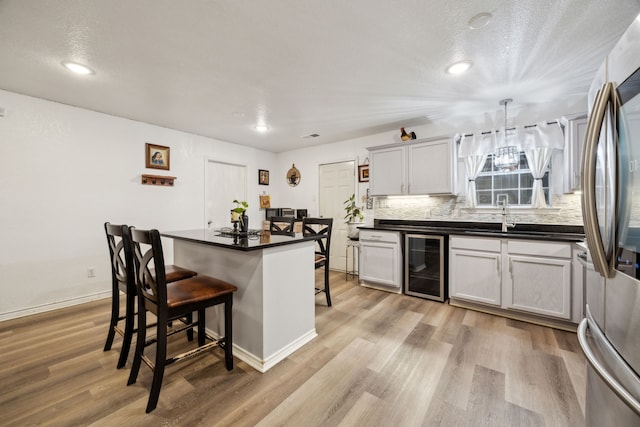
(53, 306)
(263, 365)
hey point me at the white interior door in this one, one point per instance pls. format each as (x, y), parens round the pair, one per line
(337, 184)
(224, 182)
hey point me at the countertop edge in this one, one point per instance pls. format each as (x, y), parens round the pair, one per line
(495, 234)
(172, 235)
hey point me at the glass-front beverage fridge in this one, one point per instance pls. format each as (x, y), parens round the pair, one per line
(425, 267)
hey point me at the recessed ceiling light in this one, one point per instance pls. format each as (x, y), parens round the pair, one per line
(77, 68)
(459, 67)
(480, 20)
(262, 128)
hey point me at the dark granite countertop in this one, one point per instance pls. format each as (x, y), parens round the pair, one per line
(250, 242)
(565, 233)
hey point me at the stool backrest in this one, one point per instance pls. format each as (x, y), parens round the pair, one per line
(319, 226)
(149, 261)
(121, 255)
(281, 225)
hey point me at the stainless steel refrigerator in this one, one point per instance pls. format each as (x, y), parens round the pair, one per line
(610, 333)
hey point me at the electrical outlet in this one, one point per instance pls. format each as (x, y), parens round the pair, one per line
(91, 272)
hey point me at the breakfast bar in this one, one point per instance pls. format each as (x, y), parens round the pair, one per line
(274, 307)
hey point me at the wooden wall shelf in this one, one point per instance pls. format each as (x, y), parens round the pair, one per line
(158, 180)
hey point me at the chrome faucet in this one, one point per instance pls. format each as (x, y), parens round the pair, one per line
(503, 202)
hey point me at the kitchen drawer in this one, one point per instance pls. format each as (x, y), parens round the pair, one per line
(380, 236)
(538, 248)
(474, 244)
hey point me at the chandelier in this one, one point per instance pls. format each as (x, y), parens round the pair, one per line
(506, 157)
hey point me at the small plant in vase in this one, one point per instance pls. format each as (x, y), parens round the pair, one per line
(354, 217)
(238, 214)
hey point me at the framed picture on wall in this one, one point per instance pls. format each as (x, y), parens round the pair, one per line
(363, 173)
(263, 177)
(157, 156)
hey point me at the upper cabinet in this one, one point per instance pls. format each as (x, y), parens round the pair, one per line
(387, 167)
(423, 166)
(574, 139)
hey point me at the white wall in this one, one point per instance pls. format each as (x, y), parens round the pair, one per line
(308, 161)
(65, 171)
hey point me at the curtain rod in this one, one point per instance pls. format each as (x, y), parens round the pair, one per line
(527, 126)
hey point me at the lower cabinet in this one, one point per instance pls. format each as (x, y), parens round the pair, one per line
(524, 275)
(380, 260)
(474, 270)
(538, 278)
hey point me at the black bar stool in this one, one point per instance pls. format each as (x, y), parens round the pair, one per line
(281, 225)
(123, 279)
(170, 301)
(321, 227)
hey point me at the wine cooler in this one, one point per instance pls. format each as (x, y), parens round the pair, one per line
(424, 266)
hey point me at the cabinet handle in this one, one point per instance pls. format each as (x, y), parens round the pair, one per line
(510, 272)
(498, 264)
(401, 188)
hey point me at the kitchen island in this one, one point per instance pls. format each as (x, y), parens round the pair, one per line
(274, 307)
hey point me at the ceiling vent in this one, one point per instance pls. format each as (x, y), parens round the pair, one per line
(311, 135)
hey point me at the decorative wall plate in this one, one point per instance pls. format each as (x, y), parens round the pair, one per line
(293, 176)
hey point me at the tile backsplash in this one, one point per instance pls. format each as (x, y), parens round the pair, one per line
(565, 210)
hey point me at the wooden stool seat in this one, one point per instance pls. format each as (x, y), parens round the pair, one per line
(196, 290)
(175, 273)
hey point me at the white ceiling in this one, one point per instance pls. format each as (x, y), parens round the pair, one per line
(339, 68)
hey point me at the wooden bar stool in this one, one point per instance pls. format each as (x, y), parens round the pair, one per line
(321, 227)
(170, 301)
(281, 225)
(123, 279)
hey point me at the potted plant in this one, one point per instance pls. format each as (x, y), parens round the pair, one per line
(239, 214)
(354, 217)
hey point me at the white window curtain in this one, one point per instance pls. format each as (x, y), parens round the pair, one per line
(538, 144)
(474, 151)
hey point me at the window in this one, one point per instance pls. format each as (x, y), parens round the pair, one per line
(516, 184)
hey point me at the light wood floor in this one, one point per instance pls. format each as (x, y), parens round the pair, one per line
(379, 359)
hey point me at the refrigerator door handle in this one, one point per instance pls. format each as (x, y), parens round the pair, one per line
(602, 265)
(611, 382)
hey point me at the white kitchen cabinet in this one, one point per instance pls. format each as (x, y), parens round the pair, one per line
(529, 276)
(426, 166)
(389, 166)
(380, 260)
(475, 269)
(574, 134)
(538, 278)
(431, 167)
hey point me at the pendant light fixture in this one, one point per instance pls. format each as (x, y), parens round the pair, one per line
(506, 157)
